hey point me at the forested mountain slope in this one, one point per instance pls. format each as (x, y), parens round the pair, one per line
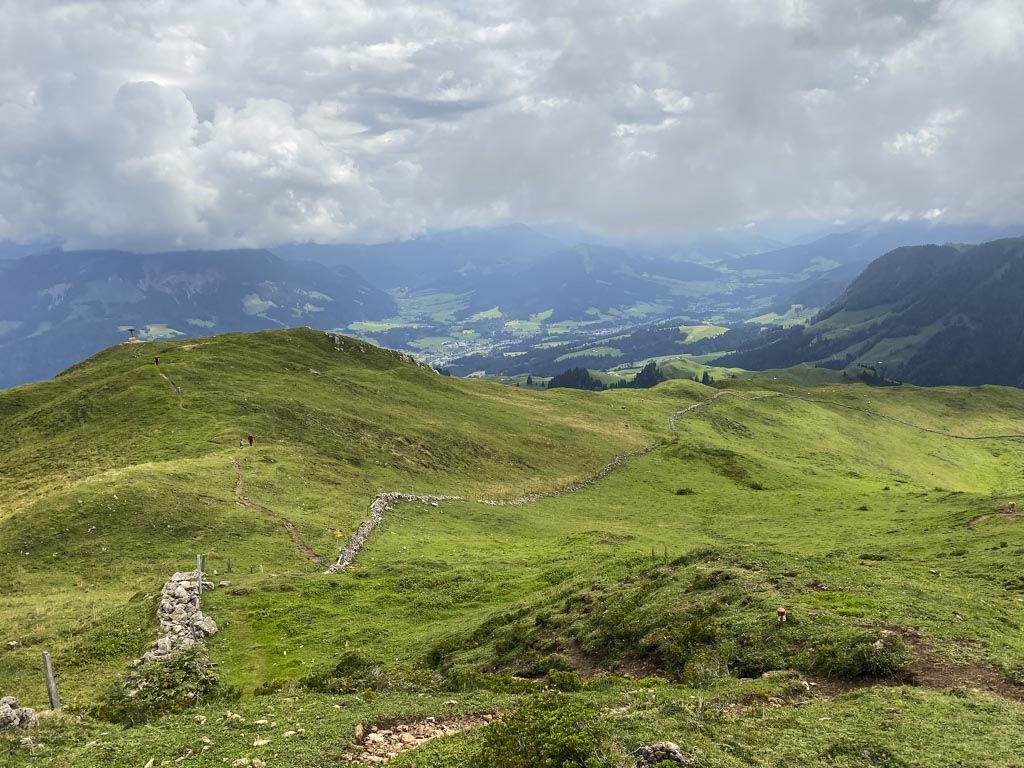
(929, 315)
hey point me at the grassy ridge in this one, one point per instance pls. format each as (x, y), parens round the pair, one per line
(846, 504)
(113, 481)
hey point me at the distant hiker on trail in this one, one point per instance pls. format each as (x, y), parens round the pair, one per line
(241, 442)
(250, 441)
(156, 360)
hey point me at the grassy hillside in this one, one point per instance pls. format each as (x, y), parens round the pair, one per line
(113, 481)
(872, 515)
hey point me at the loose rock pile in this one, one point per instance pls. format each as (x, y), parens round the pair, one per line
(646, 757)
(379, 746)
(182, 624)
(12, 716)
(382, 503)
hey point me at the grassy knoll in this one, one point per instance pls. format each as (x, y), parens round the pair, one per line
(862, 511)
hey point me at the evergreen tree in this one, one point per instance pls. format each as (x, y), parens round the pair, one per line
(576, 378)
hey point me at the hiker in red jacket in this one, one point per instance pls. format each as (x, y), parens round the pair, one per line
(250, 441)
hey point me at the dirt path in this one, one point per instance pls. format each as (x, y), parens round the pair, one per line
(175, 387)
(289, 526)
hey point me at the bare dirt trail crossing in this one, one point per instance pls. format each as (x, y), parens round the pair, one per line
(289, 526)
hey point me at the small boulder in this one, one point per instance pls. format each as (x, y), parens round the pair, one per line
(663, 751)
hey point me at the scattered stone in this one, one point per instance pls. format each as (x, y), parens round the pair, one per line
(261, 742)
(379, 746)
(12, 645)
(288, 734)
(27, 743)
(663, 751)
(12, 716)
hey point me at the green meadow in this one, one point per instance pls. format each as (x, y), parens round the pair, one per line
(875, 516)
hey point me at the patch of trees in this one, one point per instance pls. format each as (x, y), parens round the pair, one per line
(581, 378)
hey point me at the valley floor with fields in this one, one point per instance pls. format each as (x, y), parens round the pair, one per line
(609, 576)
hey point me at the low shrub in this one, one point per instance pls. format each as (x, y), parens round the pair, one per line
(858, 654)
(551, 731)
(163, 686)
(567, 682)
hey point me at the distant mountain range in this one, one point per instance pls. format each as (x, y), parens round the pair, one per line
(493, 299)
(450, 261)
(57, 308)
(929, 315)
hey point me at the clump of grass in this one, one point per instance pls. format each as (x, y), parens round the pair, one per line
(355, 673)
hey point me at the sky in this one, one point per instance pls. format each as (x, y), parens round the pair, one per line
(228, 123)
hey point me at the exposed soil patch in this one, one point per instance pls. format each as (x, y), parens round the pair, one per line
(927, 669)
(930, 670)
(1003, 513)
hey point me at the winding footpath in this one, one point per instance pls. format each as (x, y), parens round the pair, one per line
(289, 526)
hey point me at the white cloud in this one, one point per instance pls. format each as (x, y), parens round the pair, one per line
(250, 122)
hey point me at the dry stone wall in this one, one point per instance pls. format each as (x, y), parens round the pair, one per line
(182, 623)
(381, 504)
(384, 502)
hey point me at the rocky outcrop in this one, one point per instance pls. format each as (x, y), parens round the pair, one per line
(381, 504)
(12, 716)
(182, 623)
(663, 751)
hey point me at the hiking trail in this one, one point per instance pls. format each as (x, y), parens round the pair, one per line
(289, 526)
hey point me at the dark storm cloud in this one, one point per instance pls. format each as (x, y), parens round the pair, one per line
(247, 122)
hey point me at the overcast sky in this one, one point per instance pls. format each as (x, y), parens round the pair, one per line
(214, 123)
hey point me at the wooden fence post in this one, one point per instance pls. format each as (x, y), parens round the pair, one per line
(51, 684)
(200, 570)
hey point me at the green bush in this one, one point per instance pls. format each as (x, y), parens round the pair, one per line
(567, 682)
(550, 731)
(159, 687)
(859, 654)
